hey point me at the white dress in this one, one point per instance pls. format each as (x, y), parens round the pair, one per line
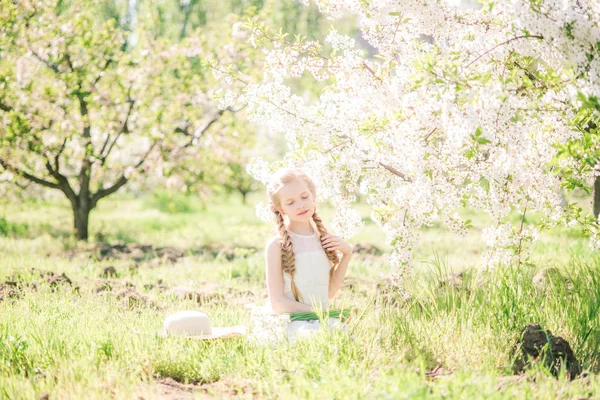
(312, 281)
(312, 272)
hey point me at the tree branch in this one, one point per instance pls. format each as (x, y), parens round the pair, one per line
(28, 176)
(365, 66)
(199, 132)
(395, 172)
(100, 194)
(50, 65)
(57, 156)
(426, 138)
(123, 129)
(63, 183)
(100, 75)
(502, 44)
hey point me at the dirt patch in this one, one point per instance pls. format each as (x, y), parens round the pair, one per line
(199, 296)
(9, 290)
(168, 389)
(437, 372)
(152, 256)
(131, 299)
(225, 251)
(538, 345)
(137, 252)
(56, 281)
(226, 387)
(159, 285)
(230, 387)
(103, 285)
(14, 286)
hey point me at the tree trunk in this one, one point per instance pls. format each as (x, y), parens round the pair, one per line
(81, 216)
(596, 196)
(244, 194)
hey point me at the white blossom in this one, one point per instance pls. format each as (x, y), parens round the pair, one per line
(443, 119)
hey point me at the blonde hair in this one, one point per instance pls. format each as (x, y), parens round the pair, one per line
(288, 260)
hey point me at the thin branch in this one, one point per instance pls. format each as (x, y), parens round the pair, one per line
(108, 191)
(426, 138)
(69, 62)
(123, 129)
(120, 182)
(395, 171)
(28, 176)
(200, 132)
(502, 44)
(50, 65)
(57, 156)
(364, 64)
(101, 74)
(63, 182)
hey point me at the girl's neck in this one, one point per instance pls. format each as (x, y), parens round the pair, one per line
(301, 228)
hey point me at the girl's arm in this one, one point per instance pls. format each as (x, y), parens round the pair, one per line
(332, 242)
(338, 275)
(279, 302)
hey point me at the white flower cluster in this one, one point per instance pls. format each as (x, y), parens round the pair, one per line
(264, 213)
(463, 110)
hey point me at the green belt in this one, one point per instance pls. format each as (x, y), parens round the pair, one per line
(311, 316)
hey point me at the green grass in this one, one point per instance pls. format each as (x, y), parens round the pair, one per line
(75, 343)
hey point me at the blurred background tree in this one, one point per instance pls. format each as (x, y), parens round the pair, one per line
(99, 96)
(86, 109)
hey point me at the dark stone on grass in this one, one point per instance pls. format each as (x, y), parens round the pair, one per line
(538, 345)
(109, 272)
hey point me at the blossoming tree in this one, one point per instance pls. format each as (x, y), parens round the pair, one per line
(459, 108)
(84, 114)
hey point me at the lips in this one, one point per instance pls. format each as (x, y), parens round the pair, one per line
(302, 213)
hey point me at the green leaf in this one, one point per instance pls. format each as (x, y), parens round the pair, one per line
(485, 184)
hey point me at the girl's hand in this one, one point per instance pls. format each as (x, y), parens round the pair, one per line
(332, 242)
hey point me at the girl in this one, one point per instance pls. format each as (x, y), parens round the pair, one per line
(304, 267)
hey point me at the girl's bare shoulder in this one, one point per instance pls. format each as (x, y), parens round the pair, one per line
(273, 246)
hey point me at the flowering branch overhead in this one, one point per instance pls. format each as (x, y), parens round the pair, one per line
(505, 87)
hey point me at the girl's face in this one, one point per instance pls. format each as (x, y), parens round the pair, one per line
(297, 201)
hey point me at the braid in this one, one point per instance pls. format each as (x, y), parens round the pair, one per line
(331, 254)
(288, 260)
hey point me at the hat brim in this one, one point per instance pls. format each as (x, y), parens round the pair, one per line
(222, 333)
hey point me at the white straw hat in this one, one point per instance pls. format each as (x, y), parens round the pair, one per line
(196, 325)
